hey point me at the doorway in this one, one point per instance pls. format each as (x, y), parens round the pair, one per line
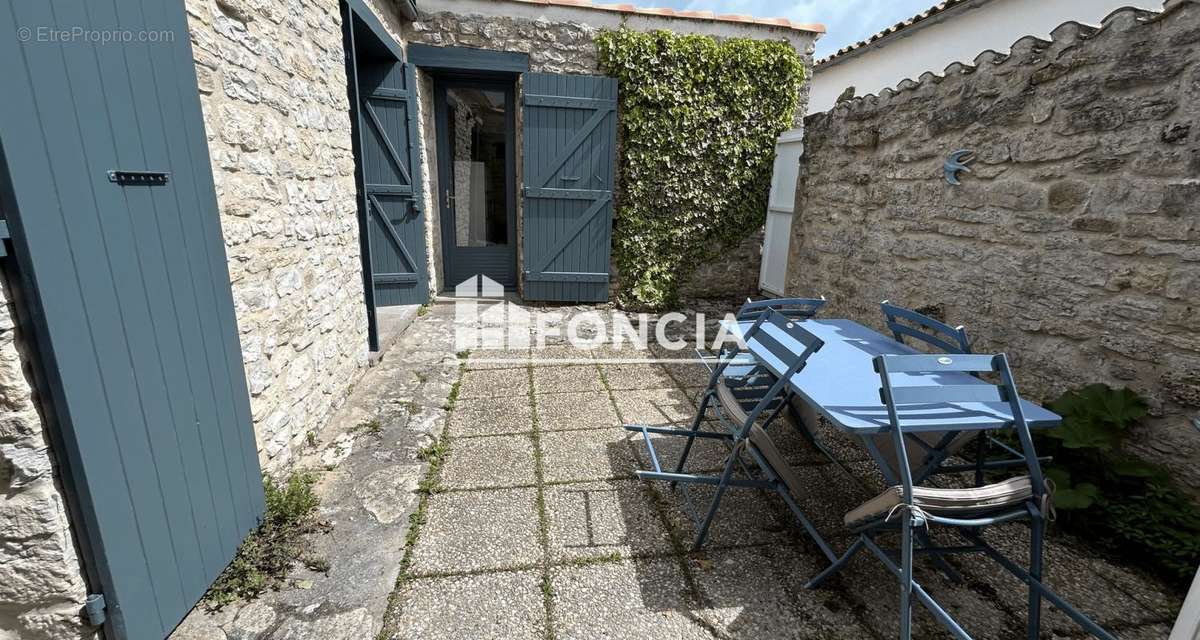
(476, 151)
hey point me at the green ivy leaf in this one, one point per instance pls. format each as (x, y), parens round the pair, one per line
(698, 123)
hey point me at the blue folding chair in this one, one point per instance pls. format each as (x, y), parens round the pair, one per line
(930, 450)
(745, 374)
(935, 333)
(789, 346)
(798, 309)
(911, 508)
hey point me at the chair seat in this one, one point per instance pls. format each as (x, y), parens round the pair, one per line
(947, 502)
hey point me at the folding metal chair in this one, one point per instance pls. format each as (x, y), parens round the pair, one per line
(744, 373)
(911, 508)
(788, 347)
(931, 450)
(799, 309)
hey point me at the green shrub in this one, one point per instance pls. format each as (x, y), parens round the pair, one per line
(265, 558)
(698, 123)
(1109, 496)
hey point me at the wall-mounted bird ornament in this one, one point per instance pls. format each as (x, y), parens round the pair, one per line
(957, 162)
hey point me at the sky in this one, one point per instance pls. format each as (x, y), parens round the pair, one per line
(846, 21)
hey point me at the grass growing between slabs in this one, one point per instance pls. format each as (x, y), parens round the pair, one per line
(435, 455)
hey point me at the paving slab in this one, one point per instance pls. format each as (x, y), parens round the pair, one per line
(490, 606)
(707, 455)
(596, 519)
(583, 410)
(654, 407)
(745, 517)
(628, 600)
(758, 592)
(478, 530)
(689, 375)
(491, 416)
(1067, 572)
(490, 461)
(595, 454)
(622, 377)
(567, 378)
(552, 355)
(876, 591)
(627, 351)
(494, 383)
(828, 494)
(498, 359)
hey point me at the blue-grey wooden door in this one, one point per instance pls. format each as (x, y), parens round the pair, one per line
(126, 292)
(390, 163)
(570, 129)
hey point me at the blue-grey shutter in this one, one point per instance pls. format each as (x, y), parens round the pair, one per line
(391, 174)
(570, 128)
(125, 289)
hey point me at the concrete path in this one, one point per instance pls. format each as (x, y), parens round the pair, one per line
(532, 524)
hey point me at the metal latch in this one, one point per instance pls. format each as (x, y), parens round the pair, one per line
(93, 609)
(139, 178)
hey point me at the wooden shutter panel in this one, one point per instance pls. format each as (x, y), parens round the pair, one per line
(570, 125)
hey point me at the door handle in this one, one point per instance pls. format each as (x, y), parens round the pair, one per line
(448, 199)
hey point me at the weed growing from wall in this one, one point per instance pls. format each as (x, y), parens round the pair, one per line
(698, 123)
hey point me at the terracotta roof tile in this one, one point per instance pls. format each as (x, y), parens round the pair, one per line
(899, 26)
(686, 15)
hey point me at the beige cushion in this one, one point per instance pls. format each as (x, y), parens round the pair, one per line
(730, 405)
(947, 502)
(766, 447)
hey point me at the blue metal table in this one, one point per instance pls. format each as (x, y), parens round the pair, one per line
(840, 382)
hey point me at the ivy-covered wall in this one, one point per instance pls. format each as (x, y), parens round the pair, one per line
(698, 122)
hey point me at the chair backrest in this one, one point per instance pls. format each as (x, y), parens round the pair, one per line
(913, 401)
(941, 336)
(781, 345)
(794, 308)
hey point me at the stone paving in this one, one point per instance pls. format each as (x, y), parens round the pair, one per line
(541, 530)
(535, 525)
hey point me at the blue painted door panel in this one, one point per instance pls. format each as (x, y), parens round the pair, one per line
(570, 129)
(391, 166)
(128, 297)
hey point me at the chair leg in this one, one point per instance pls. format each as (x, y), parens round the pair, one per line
(702, 533)
(836, 566)
(1037, 529)
(906, 577)
(980, 454)
(687, 448)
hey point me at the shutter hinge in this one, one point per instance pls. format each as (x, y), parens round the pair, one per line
(93, 609)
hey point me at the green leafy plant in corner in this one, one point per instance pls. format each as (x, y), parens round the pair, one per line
(1111, 497)
(267, 556)
(699, 118)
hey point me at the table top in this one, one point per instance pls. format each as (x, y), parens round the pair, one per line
(840, 382)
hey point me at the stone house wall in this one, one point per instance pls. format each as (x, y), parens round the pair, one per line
(564, 42)
(1074, 243)
(41, 582)
(273, 89)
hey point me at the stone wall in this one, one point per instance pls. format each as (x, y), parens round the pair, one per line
(568, 46)
(732, 275)
(1073, 244)
(41, 581)
(273, 88)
